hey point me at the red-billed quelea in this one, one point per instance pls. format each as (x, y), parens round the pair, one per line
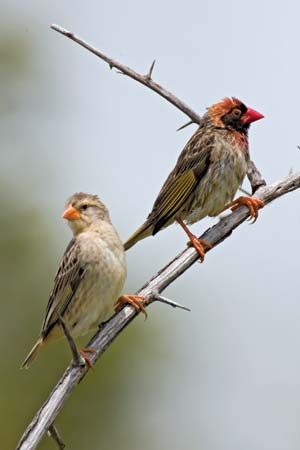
(207, 174)
(90, 277)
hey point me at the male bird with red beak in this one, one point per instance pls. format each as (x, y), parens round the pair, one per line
(207, 175)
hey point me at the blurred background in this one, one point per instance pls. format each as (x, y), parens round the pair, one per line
(225, 376)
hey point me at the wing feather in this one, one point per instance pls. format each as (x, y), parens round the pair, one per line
(188, 172)
(66, 282)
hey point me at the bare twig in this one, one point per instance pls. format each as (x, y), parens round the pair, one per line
(254, 177)
(146, 80)
(111, 329)
(253, 174)
(244, 191)
(53, 432)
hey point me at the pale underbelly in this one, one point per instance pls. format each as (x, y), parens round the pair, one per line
(92, 305)
(212, 200)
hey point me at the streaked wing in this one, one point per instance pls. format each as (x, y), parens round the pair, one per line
(190, 168)
(173, 197)
(66, 282)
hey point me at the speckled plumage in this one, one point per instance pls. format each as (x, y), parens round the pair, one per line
(208, 172)
(90, 277)
(226, 171)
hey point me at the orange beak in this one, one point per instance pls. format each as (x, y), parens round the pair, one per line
(71, 213)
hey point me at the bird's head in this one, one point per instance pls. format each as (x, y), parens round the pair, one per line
(232, 114)
(83, 211)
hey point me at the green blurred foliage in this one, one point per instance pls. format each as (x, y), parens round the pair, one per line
(105, 410)
(99, 410)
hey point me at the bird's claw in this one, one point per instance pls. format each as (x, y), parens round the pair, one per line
(84, 353)
(134, 300)
(199, 245)
(253, 204)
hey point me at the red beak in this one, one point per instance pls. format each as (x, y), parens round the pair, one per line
(251, 116)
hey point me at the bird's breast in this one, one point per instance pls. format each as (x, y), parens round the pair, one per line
(99, 289)
(226, 172)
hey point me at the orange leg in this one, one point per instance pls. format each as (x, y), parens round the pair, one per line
(85, 352)
(253, 204)
(134, 300)
(199, 244)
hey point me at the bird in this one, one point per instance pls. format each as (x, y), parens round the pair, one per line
(207, 174)
(90, 276)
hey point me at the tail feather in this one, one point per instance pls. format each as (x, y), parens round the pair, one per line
(141, 233)
(32, 354)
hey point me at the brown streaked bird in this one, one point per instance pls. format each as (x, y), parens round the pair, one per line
(90, 276)
(207, 174)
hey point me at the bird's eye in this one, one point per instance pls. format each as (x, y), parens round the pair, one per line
(236, 112)
(84, 207)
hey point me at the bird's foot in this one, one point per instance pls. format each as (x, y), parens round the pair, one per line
(85, 353)
(200, 245)
(253, 204)
(134, 300)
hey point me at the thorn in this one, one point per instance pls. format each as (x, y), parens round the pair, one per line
(156, 296)
(110, 66)
(53, 432)
(149, 74)
(245, 192)
(185, 125)
(77, 358)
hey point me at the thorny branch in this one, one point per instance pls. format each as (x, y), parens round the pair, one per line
(43, 421)
(146, 80)
(45, 417)
(253, 174)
